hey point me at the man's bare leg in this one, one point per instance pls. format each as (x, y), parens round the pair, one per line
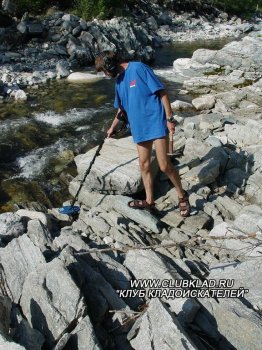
(166, 165)
(144, 152)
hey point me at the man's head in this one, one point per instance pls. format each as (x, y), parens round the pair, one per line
(107, 62)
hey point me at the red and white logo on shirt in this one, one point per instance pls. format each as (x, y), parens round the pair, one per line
(133, 83)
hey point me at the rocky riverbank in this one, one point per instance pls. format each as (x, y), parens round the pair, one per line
(34, 51)
(68, 285)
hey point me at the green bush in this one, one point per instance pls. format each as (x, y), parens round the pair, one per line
(241, 8)
(89, 9)
(31, 6)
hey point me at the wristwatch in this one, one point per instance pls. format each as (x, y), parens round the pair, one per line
(171, 119)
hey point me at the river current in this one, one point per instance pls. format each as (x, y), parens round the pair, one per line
(40, 137)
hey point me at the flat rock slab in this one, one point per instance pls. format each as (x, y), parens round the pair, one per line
(119, 204)
(83, 77)
(247, 274)
(160, 330)
(19, 258)
(147, 264)
(240, 326)
(11, 226)
(7, 345)
(51, 301)
(115, 170)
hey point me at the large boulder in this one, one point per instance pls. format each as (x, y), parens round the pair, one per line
(151, 266)
(115, 170)
(11, 226)
(54, 303)
(237, 64)
(160, 329)
(246, 274)
(8, 345)
(17, 260)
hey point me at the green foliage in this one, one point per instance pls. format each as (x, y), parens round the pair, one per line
(241, 7)
(89, 9)
(5, 19)
(31, 6)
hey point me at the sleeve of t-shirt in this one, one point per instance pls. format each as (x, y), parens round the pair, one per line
(151, 79)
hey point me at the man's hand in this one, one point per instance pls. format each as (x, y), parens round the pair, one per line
(110, 132)
(171, 127)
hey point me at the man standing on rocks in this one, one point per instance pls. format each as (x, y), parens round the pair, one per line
(143, 97)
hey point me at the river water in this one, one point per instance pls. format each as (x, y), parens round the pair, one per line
(40, 137)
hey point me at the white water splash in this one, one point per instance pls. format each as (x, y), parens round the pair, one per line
(34, 163)
(12, 125)
(70, 117)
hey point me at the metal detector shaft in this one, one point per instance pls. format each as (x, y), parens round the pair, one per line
(92, 162)
(87, 171)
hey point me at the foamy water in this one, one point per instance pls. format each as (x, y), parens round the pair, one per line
(33, 164)
(72, 116)
(12, 125)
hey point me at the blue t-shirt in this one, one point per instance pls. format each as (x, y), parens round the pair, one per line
(135, 93)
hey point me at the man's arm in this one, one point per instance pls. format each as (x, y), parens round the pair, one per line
(114, 124)
(168, 110)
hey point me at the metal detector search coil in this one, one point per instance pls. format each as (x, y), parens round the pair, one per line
(69, 210)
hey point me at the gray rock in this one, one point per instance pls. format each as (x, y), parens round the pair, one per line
(196, 149)
(16, 267)
(11, 226)
(246, 274)
(69, 17)
(225, 319)
(180, 106)
(118, 204)
(22, 27)
(62, 68)
(39, 234)
(99, 294)
(205, 102)
(9, 345)
(35, 29)
(193, 224)
(84, 335)
(249, 219)
(227, 207)
(205, 173)
(225, 229)
(245, 135)
(255, 154)
(118, 174)
(235, 176)
(114, 272)
(8, 5)
(159, 329)
(94, 219)
(31, 214)
(20, 95)
(5, 312)
(152, 23)
(253, 190)
(172, 219)
(30, 338)
(77, 51)
(54, 302)
(214, 141)
(68, 237)
(146, 264)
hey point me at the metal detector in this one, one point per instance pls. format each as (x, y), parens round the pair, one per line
(73, 210)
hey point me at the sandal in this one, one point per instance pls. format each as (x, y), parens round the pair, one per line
(140, 204)
(184, 205)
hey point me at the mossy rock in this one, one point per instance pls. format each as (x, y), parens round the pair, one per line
(24, 191)
(5, 19)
